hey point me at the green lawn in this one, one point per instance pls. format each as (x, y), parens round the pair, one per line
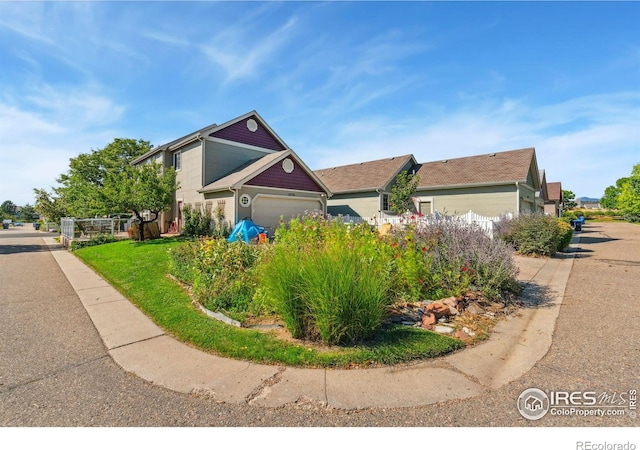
(139, 271)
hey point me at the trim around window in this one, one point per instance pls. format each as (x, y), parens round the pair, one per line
(177, 160)
(385, 202)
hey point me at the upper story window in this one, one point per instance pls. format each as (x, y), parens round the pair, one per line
(177, 160)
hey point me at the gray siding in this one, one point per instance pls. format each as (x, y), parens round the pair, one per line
(190, 175)
(364, 204)
(221, 159)
(486, 201)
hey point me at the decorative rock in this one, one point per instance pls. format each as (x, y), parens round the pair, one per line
(468, 331)
(428, 320)
(439, 309)
(460, 334)
(442, 329)
(474, 308)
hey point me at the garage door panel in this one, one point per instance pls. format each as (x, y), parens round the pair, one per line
(266, 211)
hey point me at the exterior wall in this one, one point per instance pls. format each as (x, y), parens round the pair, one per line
(275, 176)
(226, 200)
(221, 159)
(238, 132)
(486, 201)
(552, 209)
(189, 176)
(363, 204)
(527, 199)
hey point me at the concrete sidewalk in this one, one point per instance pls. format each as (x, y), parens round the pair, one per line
(142, 348)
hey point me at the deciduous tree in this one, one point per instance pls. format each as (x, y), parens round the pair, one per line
(402, 191)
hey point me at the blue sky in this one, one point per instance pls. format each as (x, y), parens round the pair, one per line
(340, 82)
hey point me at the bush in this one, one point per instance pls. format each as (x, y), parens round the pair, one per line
(449, 257)
(566, 233)
(224, 278)
(195, 223)
(328, 280)
(98, 239)
(534, 234)
(201, 223)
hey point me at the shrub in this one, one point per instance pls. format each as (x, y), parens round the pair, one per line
(449, 257)
(566, 233)
(98, 239)
(224, 277)
(202, 223)
(328, 280)
(534, 234)
(196, 223)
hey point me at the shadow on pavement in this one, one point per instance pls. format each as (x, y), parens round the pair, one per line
(25, 248)
(536, 296)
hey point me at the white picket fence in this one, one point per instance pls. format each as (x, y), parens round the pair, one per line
(487, 224)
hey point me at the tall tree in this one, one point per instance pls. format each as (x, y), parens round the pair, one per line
(402, 191)
(82, 187)
(50, 207)
(629, 198)
(569, 199)
(8, 208)
(28, 213)
(142, 188)
(611, 194)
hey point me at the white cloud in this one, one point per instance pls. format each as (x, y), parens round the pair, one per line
(42, 130)
(599, 148)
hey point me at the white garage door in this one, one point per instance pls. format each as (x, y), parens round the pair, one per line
(267, 209)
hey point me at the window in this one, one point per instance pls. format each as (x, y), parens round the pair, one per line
(385, 202)
(177, 160)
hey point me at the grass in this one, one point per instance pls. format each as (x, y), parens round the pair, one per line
(139, 271)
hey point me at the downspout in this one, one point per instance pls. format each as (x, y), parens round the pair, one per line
(517, 198)
(235, 204)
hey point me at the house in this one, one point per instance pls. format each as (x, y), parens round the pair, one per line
(242, 169)
(363, 189)
(555, 201)
(490, 184)
(542, 196)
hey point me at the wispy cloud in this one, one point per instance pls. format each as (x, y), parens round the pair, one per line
(242, 56)
(603, 146)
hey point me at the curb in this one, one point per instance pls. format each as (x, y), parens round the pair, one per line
(142, 348)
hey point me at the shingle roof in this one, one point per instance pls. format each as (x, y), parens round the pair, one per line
(502, 167)
(554, 190)
(362, 176)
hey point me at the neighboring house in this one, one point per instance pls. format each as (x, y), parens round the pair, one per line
(588, 203)
(242, 168)
(555, 200)
(363, 189)
(542, 196)
(489, 185)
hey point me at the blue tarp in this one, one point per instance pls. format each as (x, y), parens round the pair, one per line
(245, 230)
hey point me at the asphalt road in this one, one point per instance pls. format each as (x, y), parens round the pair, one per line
(55, 371)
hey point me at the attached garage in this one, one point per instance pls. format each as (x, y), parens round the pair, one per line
(266, 210)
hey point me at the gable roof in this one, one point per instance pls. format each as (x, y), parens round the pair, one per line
(246, 172)
(494, 168)
(363, 176)
(210, 131)
(544, 191)
(555, 191)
